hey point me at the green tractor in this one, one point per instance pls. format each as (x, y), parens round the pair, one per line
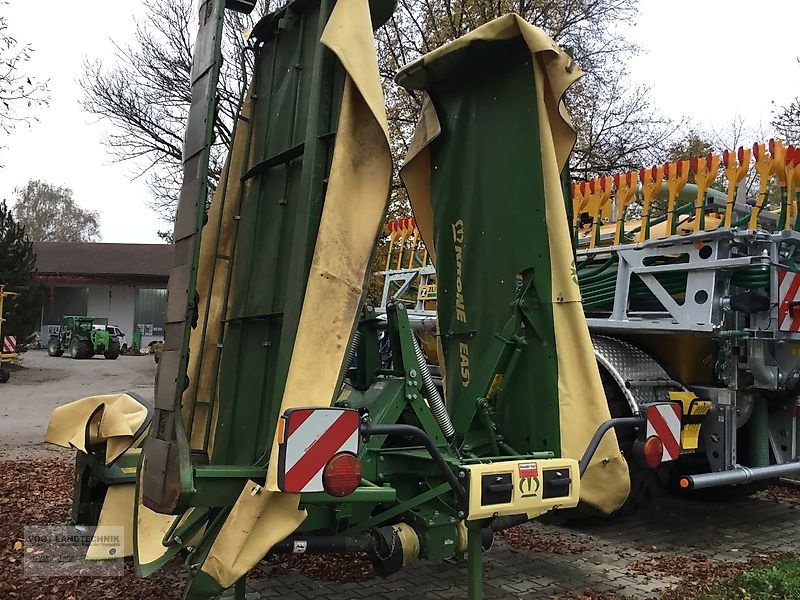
(80, 339)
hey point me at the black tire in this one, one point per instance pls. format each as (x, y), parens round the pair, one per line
(53, 347)
(5, 375)
(113, 352)
(156, 356)
(86, 349)
(75, 349)
(643, 480)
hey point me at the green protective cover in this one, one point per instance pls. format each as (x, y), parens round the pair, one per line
(489, 226)
(298, 85)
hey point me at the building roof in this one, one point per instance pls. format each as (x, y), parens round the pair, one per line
(89, 259)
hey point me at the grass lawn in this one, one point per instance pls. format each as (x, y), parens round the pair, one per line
(777, 581)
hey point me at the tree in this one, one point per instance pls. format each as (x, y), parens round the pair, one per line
(618, 126)
(20, 91)
(49, 214)
(786, 121)
(146, 93)
(17, 268)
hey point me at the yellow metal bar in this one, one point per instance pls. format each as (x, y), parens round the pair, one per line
(765, 165)
(734, 173)
(651, 185)
(414, 241)
(677, 174)
(792, 181)
(626, 189)
(705, 172)
(392, 240)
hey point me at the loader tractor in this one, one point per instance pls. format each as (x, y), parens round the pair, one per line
(291, 416)
(79, 339)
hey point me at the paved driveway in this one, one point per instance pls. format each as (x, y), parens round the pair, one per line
(45, 382)
(672, 542)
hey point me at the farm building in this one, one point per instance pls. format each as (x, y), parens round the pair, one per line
(118, 284)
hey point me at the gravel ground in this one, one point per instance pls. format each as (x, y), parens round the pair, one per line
(45, 382)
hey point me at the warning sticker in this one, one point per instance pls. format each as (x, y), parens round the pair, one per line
(528, 470)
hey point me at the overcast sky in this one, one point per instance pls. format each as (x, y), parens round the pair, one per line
(707, 60)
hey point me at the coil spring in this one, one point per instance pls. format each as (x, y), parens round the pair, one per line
(435, 401)
(351, 351)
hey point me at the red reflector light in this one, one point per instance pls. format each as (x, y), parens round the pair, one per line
(794, 310)
(652, 451)
(341, 475)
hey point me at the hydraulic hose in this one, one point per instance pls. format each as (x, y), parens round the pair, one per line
(430, 392)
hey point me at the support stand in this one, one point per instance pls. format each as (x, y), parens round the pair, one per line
(475, 561)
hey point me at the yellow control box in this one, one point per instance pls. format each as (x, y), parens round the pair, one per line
(522, 486)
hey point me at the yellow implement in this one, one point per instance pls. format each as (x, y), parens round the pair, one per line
(765, 165)
(626, 191)
(677, 175)
(651, 185)
(734, 173)
(705, 172)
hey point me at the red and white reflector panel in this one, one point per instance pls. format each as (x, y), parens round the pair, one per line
(789, 301)
(664, 421)
(310, 438)
(9, 344)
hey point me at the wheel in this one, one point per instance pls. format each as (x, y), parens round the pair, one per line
(156, 356)
(643, 480)
(5, 375)
(53, 347)
(112, 353)
(86, 350)
(75, 349)
(124, 349)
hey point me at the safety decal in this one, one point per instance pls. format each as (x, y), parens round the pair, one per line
(664, 421)
(311, 438)
(9, 344)
(789, 307)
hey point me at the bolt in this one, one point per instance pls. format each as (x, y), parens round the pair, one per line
(460, 514)
(409, 397)
(462, 474)
(413, 373)
(381, 458)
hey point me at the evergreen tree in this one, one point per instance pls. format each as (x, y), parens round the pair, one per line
(17, 269)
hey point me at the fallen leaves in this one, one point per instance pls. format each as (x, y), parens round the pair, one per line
(526, 537)
(38, 491)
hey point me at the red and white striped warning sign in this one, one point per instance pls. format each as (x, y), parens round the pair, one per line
(9, 344)
(789, 306)
(664, 421)
(312, 437)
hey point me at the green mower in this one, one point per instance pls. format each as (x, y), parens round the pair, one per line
(79, 339)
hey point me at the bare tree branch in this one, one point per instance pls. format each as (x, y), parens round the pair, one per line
(21, 93)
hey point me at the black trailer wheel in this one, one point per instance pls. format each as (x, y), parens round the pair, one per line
(5, 375)
(53, 347)
(643, 480)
